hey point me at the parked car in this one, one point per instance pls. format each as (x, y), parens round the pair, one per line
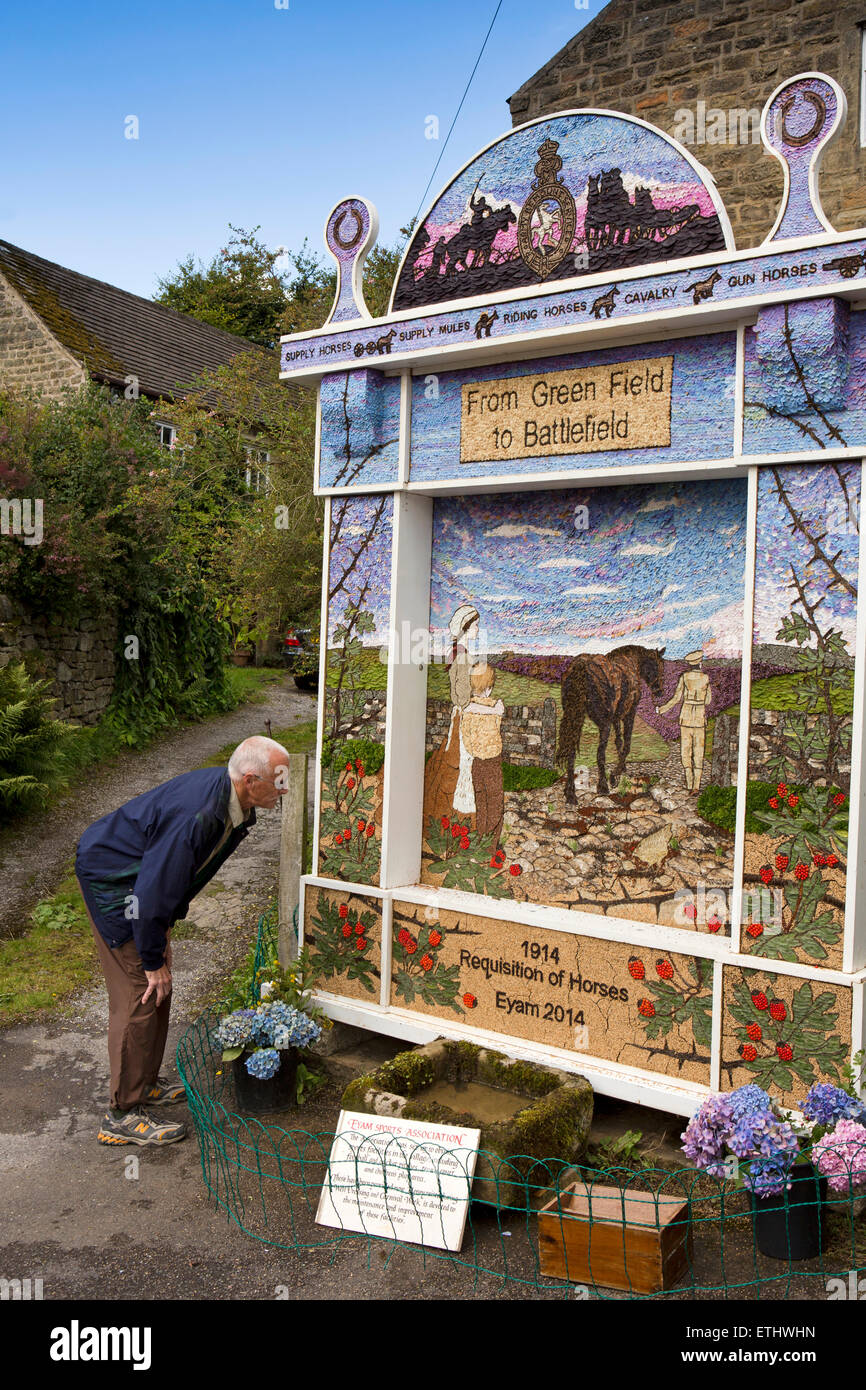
(299, 652)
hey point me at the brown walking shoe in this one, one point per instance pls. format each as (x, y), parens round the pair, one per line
(136, 1127)
(163, 1092)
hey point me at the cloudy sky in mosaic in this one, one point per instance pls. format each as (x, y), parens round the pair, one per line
(658, 565)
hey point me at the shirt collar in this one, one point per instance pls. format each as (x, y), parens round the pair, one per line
(236, 815)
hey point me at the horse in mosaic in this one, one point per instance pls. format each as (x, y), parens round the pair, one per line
(605, 689)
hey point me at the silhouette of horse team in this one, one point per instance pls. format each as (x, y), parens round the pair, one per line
(605, 689)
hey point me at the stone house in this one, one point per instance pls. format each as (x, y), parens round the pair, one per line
(59, 329)
(701, 71)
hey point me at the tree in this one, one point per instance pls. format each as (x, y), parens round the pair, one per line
(241, 290)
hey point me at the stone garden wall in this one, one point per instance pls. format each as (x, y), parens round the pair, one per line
(528, 731)
(766, 742)
(77, 657)
(362, 714)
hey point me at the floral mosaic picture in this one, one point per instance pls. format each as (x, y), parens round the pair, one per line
(353, 747)
(783, 1032)
(592, 639)
(649, 1009)
(801, 713)
(344, 934)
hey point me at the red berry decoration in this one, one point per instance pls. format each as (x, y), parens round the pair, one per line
(347, 930)
(819, 859)
(495, 864)
(446, 824)
(348, 767)
(832, 860)
(774, 802)
(359, 767)
(759, 999)
(464, 842)
(426, 962)
(766, 874)
(435, 938)
(839, 799)
(470, 1001)
(361, 943)
(664, 969)
(782, 789)
(785, 1051)
(403, 937)
(778, 1010)
(782, 862)
(793, 801)
(755, 1032)
(646, 1007)
(411, 945)
(350, 782)
(714, 924)
(343, 910)
(748, 1053)
(338, 839)
(802, 872)
(455, 832)
(371, 830)
(635, 968)
(359, 930)
(515, 870)
(755, 929)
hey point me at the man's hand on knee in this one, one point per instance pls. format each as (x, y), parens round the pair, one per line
(158, 983)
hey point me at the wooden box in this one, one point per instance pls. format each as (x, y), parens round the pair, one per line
(620, 1240)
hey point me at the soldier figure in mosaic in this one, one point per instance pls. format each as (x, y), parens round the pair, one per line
(693, 689)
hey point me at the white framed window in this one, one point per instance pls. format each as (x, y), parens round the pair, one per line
(258, 469)
(165, 433)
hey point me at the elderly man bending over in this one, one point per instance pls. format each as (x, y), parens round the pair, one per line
(138, 868)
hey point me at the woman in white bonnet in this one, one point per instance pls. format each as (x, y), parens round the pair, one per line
(448, 778)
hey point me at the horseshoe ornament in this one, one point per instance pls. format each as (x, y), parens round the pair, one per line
(348, 244)
(350, 232)
(818, 105)
(800, 151)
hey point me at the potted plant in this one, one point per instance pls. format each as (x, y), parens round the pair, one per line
(263, 1045)
(783, 1158)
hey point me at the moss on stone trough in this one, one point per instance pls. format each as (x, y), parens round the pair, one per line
(554, 1124)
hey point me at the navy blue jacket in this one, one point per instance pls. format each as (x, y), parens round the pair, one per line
(154, 847)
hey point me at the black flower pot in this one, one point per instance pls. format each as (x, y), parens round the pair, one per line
(257, 1097)
(790, 1226)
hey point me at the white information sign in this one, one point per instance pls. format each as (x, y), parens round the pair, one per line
(407, 1179)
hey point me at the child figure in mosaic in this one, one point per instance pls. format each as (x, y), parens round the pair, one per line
(693, 689)
(482, 738)
(450, 759)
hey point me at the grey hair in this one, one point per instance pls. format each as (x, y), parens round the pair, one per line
(254, 755)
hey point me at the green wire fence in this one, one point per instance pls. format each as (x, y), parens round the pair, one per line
(269, 1181)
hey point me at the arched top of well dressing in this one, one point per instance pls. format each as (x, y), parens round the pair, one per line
(561, 197)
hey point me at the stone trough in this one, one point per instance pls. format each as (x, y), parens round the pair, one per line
(525, 1112)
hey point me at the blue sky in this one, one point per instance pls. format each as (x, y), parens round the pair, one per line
(246, 114)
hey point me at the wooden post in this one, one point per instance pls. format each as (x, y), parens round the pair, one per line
(293, 839)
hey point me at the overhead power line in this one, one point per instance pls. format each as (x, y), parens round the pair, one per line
(457, 113)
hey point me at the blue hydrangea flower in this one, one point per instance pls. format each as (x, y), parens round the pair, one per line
(235, 1030)
(263, 1064)
(826, 1104)
(749, 1100)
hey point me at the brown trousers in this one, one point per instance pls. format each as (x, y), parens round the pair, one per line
(136, 1032)
(489, 797)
